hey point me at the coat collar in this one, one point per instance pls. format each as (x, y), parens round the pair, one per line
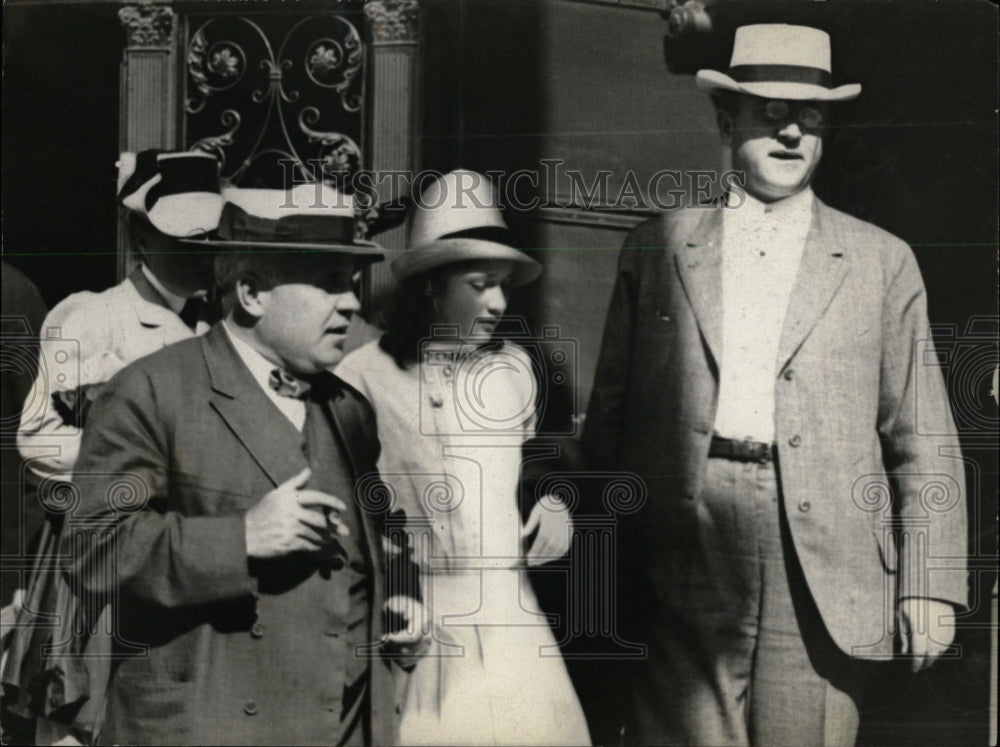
(271, 439)
(151, 308)
(821, 272)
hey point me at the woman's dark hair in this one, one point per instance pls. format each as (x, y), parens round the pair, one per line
(409, 317)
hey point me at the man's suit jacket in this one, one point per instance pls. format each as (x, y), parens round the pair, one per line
(178, 447)
(864, 431)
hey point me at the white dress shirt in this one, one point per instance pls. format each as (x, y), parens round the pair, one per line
(762, 246)
(261, 368)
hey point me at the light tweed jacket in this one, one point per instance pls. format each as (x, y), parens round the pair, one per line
(870, 470)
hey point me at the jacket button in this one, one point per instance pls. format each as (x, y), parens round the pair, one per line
(804, 506)
(250, 709)
(795, 440)
(789, 374)
(257, 631)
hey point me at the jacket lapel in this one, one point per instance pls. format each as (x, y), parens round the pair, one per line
(699, 264)
(346, 421)
(820, 275)
(271, 440)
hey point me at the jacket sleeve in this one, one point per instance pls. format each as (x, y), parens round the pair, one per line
(126, 533)
(606, 411)
(920, 447)
(80, 356)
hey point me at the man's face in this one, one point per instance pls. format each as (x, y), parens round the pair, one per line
(777, 144)
(304, 318)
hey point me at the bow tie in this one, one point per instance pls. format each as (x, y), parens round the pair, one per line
(288, 385)
(319, 386)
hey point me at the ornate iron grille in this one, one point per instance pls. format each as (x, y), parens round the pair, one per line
(277, 96)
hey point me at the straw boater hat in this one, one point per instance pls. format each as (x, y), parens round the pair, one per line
(177, 192)
(457, 219)
(309, 218)
(779, 61)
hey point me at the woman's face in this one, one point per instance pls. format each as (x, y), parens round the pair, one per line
(473, 296)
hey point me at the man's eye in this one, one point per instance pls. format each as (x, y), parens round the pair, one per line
(478, 286)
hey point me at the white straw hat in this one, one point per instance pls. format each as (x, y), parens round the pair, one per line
(457, 219)
(779, 61)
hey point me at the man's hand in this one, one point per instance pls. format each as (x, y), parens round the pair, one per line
(926, 628)
(292, 518)
(554, 525)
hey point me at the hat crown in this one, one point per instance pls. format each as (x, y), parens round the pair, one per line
(458, 201)
(314, 198)
(781, 44)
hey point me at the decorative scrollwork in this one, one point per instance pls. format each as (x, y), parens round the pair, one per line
(147, 25)
(872, 494)
(281, 72)
(393, 20)
(341, 155)
(217, 144)
(330, 64)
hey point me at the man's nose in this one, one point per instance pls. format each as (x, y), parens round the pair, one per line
(790, 131)
(347, 304)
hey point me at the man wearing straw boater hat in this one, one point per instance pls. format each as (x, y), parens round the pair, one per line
(224, 470)
(165, 197)
(767, 368)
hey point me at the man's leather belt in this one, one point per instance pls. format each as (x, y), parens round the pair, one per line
(741, 451)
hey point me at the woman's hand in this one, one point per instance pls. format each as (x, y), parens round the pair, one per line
(551, 519)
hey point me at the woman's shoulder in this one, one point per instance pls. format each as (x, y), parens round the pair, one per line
(365, 367)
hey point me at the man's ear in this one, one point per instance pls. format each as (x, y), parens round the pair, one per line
(249, 296)
(725, 121)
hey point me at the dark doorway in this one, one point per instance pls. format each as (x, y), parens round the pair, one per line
(60, 144)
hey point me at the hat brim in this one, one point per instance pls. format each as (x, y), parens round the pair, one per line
(363, 249)
(449, 251)
(712, 80)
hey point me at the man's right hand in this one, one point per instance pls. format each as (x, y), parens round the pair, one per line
(292, 518)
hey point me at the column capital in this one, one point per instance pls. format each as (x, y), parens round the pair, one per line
(394, 20)
(147, 25)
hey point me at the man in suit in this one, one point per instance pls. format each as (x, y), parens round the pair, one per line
(223, 476)
(767, 370)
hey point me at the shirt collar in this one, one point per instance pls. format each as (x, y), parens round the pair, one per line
(174, 301)
(793, 210)
(259, 366)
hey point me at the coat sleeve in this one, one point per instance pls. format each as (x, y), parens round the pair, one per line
(80, 356)
(126, 535)
(920, 447)
(606, 412)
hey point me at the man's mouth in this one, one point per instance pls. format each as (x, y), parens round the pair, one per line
(786, 155)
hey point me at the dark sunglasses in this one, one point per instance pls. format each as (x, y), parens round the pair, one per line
(808, 117)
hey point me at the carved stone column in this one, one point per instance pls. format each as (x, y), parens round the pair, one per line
(148, 90)
(395, 33)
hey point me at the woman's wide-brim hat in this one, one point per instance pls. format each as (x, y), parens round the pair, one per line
(313, 217)
(457, 219)
(779, 61)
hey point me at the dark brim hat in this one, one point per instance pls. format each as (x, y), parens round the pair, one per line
(308, 218)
